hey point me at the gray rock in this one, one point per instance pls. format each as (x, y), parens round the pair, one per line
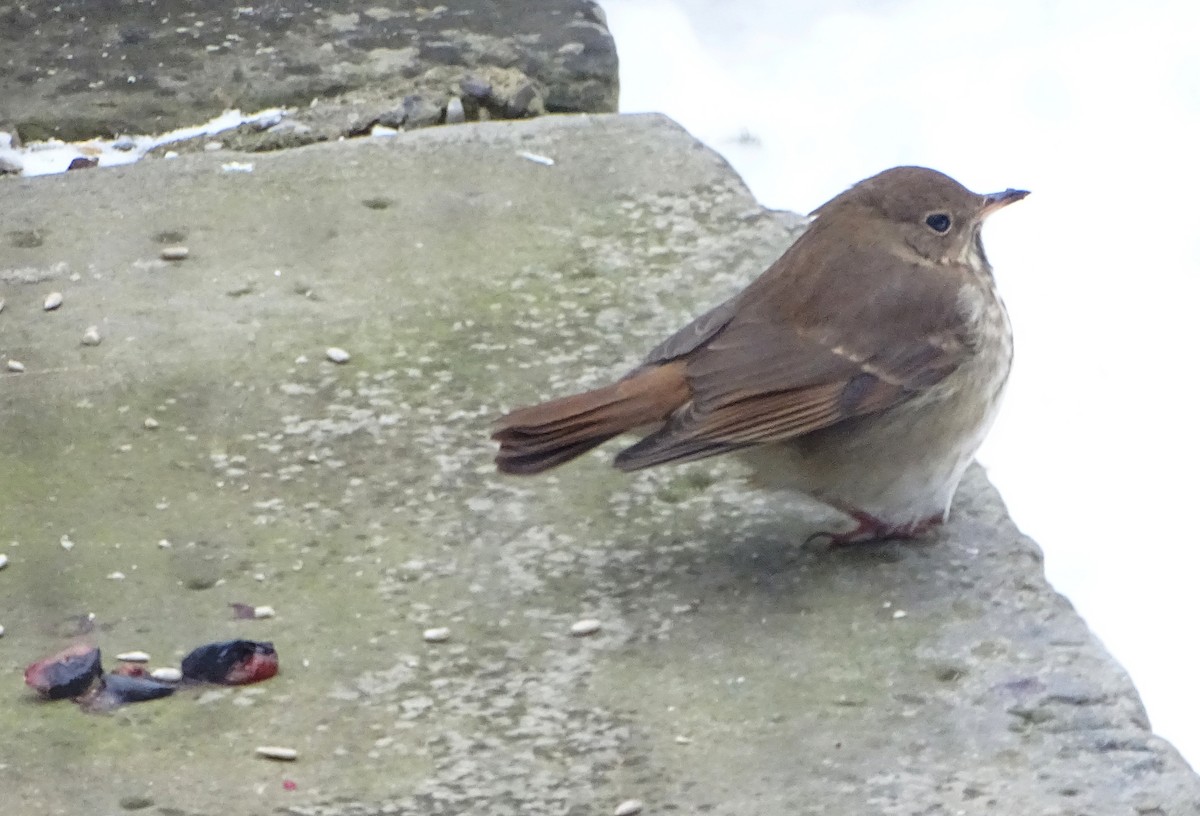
(419, 112)
(476, 88)
(522, 101)
(82, 70)
(414, 111)
(736, 672)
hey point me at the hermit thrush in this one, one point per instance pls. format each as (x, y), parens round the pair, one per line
(864, 367)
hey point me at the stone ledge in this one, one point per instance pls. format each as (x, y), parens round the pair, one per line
(734, 672)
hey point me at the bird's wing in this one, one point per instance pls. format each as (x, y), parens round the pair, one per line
(694, 334)
(809, 346)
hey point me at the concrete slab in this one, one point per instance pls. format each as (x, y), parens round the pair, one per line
(733, 673)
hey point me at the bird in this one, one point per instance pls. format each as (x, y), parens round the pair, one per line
(863, 368)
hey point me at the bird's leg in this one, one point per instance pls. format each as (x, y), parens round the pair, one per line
(870, 530)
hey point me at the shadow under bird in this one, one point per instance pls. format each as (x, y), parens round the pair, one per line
(863, 368)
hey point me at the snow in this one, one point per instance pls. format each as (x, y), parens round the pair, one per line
(55, 156)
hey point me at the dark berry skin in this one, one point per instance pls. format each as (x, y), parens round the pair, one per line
(69, 673)
(231, 662)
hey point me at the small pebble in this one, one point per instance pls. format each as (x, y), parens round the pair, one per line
(173, 253)
(337, 355)
(134, 657)
(899, 613)
(455, 112)
(91, 337)
(3, 560)
(264, 612)
(164, 544)
(1, 304)
(1, 631)
(167, 675)
(116, 576)
(628, 807)
(277, 752)
(16, 366)
(150, 423)
(53, 301)
(438, 634)
(66, 543)
(585, 627)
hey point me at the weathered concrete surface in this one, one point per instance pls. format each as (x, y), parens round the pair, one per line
(360, 502)
(74, 69)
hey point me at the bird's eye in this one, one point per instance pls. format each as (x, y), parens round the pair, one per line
(938, 222)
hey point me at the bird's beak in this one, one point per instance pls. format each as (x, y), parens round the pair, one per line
(994, 201)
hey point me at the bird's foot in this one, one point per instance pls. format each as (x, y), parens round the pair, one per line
(870, 530)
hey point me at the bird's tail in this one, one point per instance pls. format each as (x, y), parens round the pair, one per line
(540, 437)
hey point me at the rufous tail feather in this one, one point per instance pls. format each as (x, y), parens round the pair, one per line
(540, 437)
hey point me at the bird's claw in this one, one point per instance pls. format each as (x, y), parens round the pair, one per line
(870, 530)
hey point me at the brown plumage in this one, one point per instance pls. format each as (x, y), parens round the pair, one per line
(876, 343)
(539, 437)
